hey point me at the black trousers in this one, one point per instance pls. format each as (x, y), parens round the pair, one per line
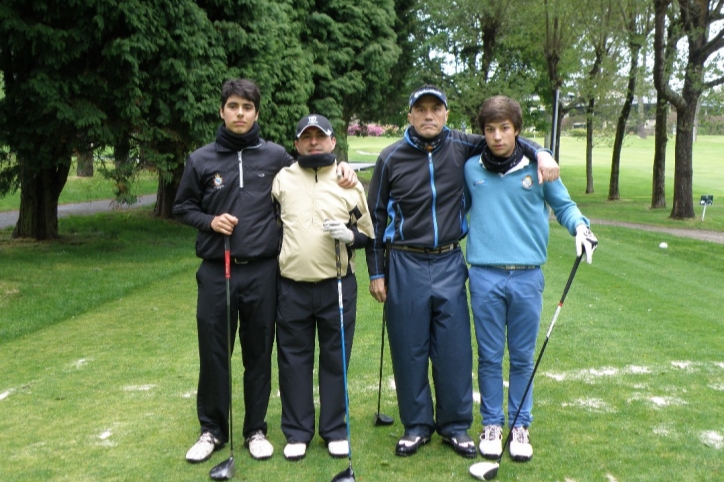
(253, 311)
(303, 309)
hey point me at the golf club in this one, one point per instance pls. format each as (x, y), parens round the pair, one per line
(380, 418)
(225, 470)
(489, 470)
(347, 475)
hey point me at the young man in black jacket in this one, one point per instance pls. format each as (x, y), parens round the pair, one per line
(226, 191)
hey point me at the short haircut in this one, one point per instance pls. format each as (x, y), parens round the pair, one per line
(500, 108)
(244, 88)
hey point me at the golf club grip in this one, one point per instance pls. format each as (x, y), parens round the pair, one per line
(338, 259)
(227, 258)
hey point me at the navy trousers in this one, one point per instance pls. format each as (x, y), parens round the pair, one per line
(428, 319)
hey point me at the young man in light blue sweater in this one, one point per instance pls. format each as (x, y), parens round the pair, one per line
(506, 246)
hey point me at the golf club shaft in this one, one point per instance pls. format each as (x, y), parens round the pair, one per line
(344, 353)
(384, 323)
(540, 355)
(227, 274)
(382, 355)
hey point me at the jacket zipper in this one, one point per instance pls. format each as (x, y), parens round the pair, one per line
(241, 173)
(434, 197)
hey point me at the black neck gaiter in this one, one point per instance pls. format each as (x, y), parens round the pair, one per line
(494, 163)
(425, 144)
(237, 142)
(315, 161)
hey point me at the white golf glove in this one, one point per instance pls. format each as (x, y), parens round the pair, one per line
(338, 230)
(585, 240)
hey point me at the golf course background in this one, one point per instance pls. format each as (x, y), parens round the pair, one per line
(99, 359)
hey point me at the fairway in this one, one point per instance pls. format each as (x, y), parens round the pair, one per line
(100, 363)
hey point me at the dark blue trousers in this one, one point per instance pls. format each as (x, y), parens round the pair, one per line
(428, 319)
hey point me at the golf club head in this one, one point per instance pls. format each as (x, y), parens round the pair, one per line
(224, 471)
(347, 475)
(381, 420)
(484, 470)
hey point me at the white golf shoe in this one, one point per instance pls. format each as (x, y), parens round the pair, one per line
(491, 442)
(338, 448)
(203, 448)
(259, 447)
(520, 448)
(295, 451)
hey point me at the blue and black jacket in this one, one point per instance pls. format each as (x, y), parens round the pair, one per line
(416, 195)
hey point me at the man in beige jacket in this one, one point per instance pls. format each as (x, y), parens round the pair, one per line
(315, 213)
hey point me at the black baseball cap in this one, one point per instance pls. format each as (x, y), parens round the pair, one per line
(315, 120)
(428, 90)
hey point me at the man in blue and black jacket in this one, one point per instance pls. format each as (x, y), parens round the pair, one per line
(416, 202)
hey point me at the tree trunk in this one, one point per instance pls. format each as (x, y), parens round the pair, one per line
(84, 166)
(589, 145)
(166, 193)
(39, 193)
(683, 207)
(613, 192)
(661, 139)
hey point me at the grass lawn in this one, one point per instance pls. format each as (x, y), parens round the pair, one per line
(99, 358)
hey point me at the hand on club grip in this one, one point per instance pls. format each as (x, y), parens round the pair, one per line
(338, 230)
(585, 241)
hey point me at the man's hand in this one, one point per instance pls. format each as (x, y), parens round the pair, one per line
(224, 223)
(548, 169)
(378, 289)
(585, 240)
(338, 230)
(346, 177)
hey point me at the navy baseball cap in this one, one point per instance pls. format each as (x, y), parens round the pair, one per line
(428, 90)
(314, 120)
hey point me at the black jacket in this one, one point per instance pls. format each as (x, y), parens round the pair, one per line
(416, 197)
(211, 186)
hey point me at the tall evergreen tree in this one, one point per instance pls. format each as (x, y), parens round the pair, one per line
(102, 73)
(262, 43)
(354, 48)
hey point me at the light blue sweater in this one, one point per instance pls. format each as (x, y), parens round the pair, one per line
(509, 217)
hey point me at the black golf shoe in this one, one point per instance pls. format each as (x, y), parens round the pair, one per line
(462, 444)
(409, 444)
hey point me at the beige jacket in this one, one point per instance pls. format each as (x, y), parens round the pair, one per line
(306, 199)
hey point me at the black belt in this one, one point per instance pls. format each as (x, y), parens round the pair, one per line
(511, 267)
(414, 249)
(245, 260)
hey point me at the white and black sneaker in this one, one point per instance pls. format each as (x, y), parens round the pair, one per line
(338, 448)
(259, 447)
(203, 448)
(295, 451)
(520, 448)
(491, 442)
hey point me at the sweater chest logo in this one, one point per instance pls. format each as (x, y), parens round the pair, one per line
(218, 181)
(527, 182)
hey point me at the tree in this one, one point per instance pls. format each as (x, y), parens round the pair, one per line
(665, 40)
(636, 19)
(600, 42)
(49, 110)
(122, 74)
(354, 49)
(697, 17)
(262, 43)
